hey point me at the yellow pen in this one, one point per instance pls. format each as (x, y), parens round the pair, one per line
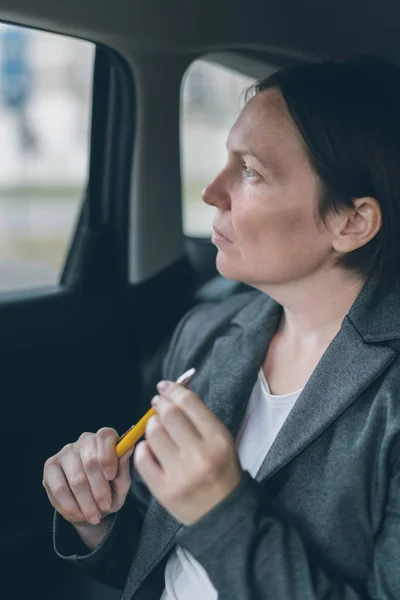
(134, 433)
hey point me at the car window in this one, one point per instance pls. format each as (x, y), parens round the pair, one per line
(45, 106)
(211, 99)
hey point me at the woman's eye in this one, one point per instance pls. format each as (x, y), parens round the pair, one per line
(249, 173)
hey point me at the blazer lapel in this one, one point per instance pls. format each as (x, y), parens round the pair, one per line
(236, 359)
(348, 366)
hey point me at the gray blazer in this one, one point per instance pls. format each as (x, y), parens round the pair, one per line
(322, 517)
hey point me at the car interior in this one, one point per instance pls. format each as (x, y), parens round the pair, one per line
(85, 350)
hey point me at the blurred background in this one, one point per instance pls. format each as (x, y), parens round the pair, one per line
(45, 113)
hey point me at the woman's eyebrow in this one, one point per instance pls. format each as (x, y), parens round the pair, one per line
(240, 151)
(243, 152)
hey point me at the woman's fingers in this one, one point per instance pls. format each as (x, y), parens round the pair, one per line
(122, 482)
(78, 482)
(99, 485)
(160, 441)
(85, 481)
(106, 440)
(59, 492)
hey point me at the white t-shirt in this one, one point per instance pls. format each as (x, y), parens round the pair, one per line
(185, 578)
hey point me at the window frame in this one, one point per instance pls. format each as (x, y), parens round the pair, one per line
(96, 259)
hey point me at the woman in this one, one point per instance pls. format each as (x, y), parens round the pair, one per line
(278, 474)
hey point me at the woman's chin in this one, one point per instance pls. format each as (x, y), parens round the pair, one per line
(227, 268)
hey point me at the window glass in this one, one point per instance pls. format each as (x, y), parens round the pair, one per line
(212, 97)
(45, 106)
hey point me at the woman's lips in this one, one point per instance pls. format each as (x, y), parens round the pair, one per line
(219, 238)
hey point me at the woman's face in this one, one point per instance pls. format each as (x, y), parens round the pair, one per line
(266, 198)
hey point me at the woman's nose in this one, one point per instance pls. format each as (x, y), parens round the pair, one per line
(215, 193)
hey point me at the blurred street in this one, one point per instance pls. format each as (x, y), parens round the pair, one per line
(22, 223)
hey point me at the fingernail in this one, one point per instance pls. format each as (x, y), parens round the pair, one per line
(94, 520)
(162, 386)
(155, 400)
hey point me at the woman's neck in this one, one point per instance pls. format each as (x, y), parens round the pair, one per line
(314, 310)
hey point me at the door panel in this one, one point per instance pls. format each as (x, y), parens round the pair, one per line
(69, 356)
(84, 363)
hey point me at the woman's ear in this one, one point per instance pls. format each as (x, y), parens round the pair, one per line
(358, 225)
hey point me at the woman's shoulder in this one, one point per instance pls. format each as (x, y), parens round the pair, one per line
(201, 325)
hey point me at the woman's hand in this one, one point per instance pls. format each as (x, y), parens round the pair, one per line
(85, 481)
(189, 460)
